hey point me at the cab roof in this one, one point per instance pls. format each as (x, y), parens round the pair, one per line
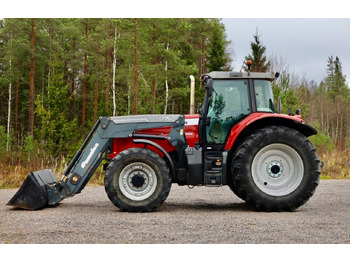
(236, 75)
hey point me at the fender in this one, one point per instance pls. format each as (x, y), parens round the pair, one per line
(149, 142)
(260, 120)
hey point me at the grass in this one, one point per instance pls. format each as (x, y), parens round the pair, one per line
(14, 176)
(336, 164)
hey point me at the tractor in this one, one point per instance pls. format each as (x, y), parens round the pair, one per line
(236, 139)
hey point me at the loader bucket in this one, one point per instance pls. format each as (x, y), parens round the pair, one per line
(33, 194)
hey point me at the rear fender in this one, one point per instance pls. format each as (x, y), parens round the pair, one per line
(257, 121)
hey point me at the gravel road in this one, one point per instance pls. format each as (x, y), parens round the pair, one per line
(198, 215)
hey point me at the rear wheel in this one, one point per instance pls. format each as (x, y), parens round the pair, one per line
(276, 169)
(137, 180)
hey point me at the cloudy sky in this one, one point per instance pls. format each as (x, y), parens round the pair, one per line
(305, 44)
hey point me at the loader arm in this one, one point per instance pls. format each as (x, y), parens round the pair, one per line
(41, 188)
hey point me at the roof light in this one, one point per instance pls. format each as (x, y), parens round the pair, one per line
(249, 63)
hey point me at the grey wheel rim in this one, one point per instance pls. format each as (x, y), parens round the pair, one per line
(137, 181)
(277, 169)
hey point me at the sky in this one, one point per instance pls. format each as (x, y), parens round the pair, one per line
(305, 44)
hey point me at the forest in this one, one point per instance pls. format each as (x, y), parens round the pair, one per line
(57, 76)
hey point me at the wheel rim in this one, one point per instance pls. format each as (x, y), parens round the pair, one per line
(277, 169)
(137, 181)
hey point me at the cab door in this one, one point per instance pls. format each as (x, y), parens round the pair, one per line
(228, 104)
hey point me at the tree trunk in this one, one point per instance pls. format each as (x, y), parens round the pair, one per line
(31, 82)
(154, 62)
(153, 88)
(16, 117)
(114, 69)
(108, 70)
(134, 111)
(96, 88)
(73, 80)
(9, 111)
(202, 63)
(166, 83)
(129, 100)
(85, 80)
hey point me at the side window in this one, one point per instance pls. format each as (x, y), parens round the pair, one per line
(264, 96)
(228, 104)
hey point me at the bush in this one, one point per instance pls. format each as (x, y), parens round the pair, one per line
(3, 139)
(322, 142)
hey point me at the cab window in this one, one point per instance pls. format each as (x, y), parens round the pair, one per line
(228, 104)
(264, 96)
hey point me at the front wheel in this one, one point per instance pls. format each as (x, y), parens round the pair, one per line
(276, 169)
(137, 180)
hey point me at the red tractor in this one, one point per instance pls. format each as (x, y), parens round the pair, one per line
(237, 139)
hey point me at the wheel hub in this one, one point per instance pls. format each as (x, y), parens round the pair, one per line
(138, 180)
(274, 169)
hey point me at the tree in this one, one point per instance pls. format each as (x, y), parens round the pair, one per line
(134, 111)
(55, 131)
(85, 80)
(218, 57)
(335, 81)
(258, 57)
(339, 94)
(32, 77)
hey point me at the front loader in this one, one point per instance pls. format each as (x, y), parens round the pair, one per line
(236, 140)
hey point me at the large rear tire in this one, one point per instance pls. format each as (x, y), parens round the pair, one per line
(137, 180)
(276, 169)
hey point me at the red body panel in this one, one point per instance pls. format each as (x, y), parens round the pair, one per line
(191, 133)
(239, 127)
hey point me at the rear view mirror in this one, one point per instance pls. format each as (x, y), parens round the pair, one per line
(200, 110)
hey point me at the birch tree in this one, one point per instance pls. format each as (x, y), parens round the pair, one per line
(166, 83)
(114, 69)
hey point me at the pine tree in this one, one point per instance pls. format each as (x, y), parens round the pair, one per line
(218, 58)
(335, 81)
(339, 94)
(258, 57)
(55, 131)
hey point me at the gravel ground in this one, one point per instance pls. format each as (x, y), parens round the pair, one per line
(198, 215)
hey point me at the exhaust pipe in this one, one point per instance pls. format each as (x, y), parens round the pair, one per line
(192, 81)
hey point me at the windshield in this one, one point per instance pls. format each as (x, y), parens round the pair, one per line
(264, 96)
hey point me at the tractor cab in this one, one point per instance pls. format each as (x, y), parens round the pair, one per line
(230, 98)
